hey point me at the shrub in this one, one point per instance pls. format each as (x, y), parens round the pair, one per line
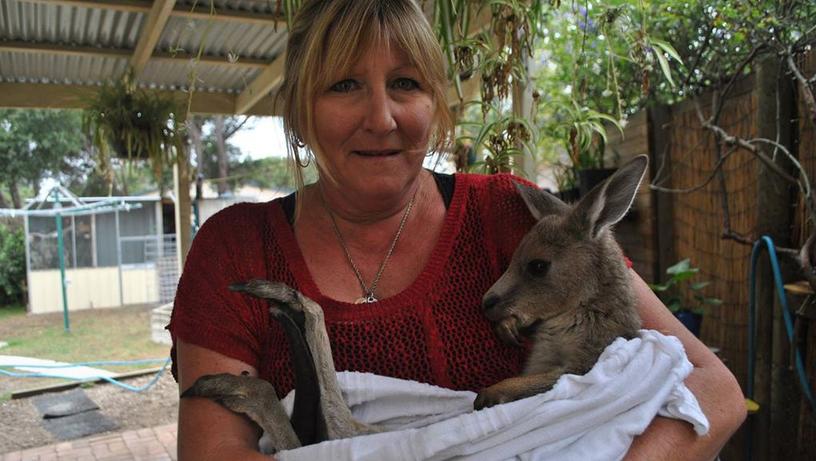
(12, 265)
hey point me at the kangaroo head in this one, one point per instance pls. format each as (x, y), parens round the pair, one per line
(569, 261)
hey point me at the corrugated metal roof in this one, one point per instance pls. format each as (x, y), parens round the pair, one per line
(221, 38)
(255, 6)
(67, 70)
(69, 24)
(84, 43)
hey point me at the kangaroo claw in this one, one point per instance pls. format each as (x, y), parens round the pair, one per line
(507, 330)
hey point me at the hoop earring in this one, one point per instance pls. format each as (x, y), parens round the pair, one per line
(300, 163)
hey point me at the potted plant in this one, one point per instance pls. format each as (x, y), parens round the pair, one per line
(583, 134)
(134, 124)
(684, 297)
(591, 169)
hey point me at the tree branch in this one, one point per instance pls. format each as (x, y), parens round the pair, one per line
(810, 101)
(689, 190)
(234, 129)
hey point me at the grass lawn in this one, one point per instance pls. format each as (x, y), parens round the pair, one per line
(119, 334)
(11, 312)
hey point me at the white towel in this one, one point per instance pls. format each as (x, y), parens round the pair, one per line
(590, 417)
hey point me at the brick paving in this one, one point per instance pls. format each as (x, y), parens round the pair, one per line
(150, 444)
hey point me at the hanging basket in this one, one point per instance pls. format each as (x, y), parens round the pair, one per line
(133, 124)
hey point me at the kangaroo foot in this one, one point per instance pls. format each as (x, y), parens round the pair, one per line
(512, 389)
(284, 299)
(252, 397)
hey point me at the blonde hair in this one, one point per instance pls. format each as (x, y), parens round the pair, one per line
(328, 37)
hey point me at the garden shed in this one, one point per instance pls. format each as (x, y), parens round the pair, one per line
(112, 255)
(117, 250)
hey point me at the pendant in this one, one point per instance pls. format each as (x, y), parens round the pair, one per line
(368, 298)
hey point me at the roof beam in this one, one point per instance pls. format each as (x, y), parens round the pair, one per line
(53, 96)
(263, 84)
(63, 50)
(198, 12)
(150, 33)
(122, 53)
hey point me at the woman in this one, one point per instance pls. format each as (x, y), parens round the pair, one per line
(397, 257)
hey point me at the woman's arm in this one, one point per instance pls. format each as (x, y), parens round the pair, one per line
(711, 382)
(206, 430)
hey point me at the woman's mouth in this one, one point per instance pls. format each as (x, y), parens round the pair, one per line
(376, 153)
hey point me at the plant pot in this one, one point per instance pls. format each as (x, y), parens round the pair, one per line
(591, 177)
(690, 320)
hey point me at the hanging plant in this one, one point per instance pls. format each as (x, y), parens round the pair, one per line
(133, 124)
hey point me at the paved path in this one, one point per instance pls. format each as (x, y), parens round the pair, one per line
(151, 444)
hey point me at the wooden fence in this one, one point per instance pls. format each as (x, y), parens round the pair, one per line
(669, 227)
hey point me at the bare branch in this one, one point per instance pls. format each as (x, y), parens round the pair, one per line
(729, 234)
(699, 57)
(734, 140)
(810, 101)
(689, 190)
(717, 109)
(235, 129)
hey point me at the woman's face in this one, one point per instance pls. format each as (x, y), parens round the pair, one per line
(373, 124)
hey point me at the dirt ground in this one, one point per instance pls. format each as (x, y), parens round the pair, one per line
(21, 426)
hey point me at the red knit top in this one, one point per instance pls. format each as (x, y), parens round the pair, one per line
(433, 331)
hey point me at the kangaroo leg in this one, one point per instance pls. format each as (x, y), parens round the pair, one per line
(257, 399)
(516, 388)
(253, 397)
(337, 419)
(306, 419)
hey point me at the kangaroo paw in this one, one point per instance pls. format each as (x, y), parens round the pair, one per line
(491, 396)
(512, 389)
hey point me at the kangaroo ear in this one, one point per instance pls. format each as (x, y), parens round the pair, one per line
(541, 203)
(608, 202)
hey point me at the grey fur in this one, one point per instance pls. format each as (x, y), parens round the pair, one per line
(567, 286)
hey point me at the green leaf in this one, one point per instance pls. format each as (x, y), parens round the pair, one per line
(699, 285)
(668, 49)
(660, 287)
(664, 66)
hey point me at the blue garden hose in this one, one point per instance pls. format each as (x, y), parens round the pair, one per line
(113, 381)
(786, 314)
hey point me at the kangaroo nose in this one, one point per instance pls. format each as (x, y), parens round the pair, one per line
(489, 301)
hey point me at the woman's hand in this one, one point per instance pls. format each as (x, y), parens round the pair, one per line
(206, 430)
(713, 384)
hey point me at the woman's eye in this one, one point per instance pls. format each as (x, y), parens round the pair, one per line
(344, 86)
(538, 267)
(405, 84)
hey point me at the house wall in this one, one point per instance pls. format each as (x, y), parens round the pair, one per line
(92, 288)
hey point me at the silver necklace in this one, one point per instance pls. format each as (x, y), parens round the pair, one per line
(368, 291)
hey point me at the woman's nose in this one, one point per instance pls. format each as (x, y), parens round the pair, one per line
(379, 117)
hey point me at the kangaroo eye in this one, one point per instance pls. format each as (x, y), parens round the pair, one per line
(538, 267)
